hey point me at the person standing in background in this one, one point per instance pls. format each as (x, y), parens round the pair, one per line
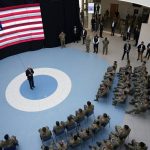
(136, 35)
(148, 51)
(113, 26)
(101, 29)
(105, 46)
(95, 43)
(141, 49)
(128, 32)
(88, 41)
(84, 34)
(75, 32)
(62, 39)
(29, 74)
(127, 47)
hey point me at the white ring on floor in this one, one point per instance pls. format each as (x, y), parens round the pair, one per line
(16, 100)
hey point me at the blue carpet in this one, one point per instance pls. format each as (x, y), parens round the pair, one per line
(45, 86)
(86, 71)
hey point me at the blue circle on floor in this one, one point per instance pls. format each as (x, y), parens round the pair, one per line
(44, 87)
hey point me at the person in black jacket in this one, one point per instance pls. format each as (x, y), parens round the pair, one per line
(148, 51)
(75, 32)
(101, 29)
(127, 47)
(29, 74)
(84, 34)
(113, 26)
(141, 49)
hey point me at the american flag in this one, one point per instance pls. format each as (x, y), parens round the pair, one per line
(19, 24)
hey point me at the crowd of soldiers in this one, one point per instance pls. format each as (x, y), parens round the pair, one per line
(134, 145)
(115, 139)
(107, 82)
(8, 142)
(124, 86)
(141, 83)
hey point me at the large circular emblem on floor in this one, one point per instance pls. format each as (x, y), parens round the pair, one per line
(45, 86)
(28, 100)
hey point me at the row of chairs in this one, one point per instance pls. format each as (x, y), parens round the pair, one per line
(107, 82)
(124, 87)
(140, 101)
(82, 135)
(65, 128)
(9, 143)
(116, 139)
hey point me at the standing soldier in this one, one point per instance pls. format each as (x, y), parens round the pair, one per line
(62, 39)
(88, 41)
(105, 46)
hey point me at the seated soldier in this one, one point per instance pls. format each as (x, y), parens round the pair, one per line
(45, 133)
(70, 122)
(115, 141)
(108, 82)
(103, 89)
(58, 128)
(88, 108)
(75, 140)
(104, 119)
(85, 133)
(61, 145)
(9, 141)
(1, 144)
(110, 144)
(109, 75)
(136, 145)
(96, 126)
(122, 132)
(80, 114)
(120, 98)
(105, 145)
(140, 107)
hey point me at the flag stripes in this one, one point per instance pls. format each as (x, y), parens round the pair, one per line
(20, 23)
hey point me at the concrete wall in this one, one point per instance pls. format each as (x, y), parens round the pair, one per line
(145, 28)
(124, 7)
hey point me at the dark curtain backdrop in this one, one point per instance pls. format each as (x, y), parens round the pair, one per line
(57, 16)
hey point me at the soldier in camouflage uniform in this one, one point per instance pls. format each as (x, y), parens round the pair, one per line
(62, 39)
(88, 41)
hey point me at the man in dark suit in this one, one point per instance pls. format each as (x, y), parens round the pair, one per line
(95, 43)
(148, 51)
(29, 74)
(101, 29)
(113, 26)
(127, 47)
(141, 49)
(136, 35)
(84, 34)
(128, 32)
(75, 32)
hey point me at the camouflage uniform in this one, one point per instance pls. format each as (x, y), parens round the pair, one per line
(88, 41)
(62, 39)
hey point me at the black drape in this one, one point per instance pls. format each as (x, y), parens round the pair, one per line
(57, 16)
